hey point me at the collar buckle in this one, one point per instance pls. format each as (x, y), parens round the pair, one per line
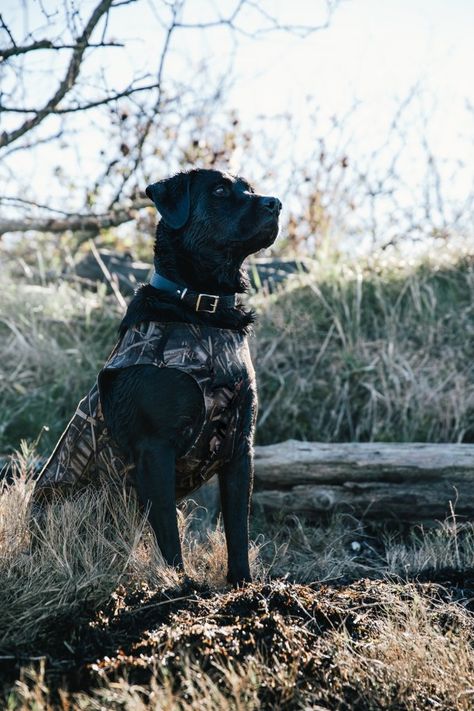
(213, 308)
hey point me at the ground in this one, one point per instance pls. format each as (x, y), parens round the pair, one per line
(340, 616)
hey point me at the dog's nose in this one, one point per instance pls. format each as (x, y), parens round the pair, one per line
(272, 204)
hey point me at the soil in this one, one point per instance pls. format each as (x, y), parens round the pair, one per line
(281, 623)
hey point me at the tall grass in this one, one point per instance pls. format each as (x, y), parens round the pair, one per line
(53, 340)
(380, 349)
(57, 573)
(373, 350)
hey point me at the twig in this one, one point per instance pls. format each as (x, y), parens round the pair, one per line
(84, 107)
(7, 52)
(108, 276)
(67, 82)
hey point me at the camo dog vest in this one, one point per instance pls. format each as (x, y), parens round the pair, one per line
(218, 359)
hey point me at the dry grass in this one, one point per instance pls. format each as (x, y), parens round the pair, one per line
(418, 656)
(369, 351)
(53, 340)
(374, 350)
(340, 616)
(88, 545)
(94, 587)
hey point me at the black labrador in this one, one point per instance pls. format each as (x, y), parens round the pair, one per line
(210, 222)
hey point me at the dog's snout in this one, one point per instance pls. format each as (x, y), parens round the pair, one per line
(272, 204)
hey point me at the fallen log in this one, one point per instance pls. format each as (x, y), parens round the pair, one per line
(408, 481)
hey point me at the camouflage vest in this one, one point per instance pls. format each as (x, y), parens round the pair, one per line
(217, 358)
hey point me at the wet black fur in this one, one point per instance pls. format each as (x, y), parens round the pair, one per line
(150, 304)
(201, 242)
(207, 253)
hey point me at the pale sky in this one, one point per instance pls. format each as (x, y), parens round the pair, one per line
(373, 53)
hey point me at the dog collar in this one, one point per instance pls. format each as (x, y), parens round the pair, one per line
(209, 303)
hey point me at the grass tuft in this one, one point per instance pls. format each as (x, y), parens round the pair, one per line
(372, 351)
(92, 618)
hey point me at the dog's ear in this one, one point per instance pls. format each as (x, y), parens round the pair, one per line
(171, 198)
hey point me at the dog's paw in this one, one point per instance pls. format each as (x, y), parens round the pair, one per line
(239, 581)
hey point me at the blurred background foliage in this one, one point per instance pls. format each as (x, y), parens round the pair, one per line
(378, 349)
(367, 337)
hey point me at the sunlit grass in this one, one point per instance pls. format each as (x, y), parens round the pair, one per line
(379, 350)
(345, 645)
(373, 350)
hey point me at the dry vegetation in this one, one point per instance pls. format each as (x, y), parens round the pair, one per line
(341, 616)
(376, 350)
(338, 617)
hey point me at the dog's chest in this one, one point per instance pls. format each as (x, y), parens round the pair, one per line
(218, 359)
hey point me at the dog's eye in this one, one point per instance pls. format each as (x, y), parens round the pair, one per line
(221, 190)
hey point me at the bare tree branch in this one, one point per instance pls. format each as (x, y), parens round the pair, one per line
(34, 203)
(15, 51)
(5, 27)
(299, 30)
(87, 223)
(91, 105)
(32, 144)
(155, 110)
(68, 81)
(130, 148)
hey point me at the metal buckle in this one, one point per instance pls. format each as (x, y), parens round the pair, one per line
(214, 305)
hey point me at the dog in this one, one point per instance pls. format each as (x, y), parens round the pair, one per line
(176, 400)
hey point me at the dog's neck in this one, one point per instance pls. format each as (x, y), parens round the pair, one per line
(209, 273)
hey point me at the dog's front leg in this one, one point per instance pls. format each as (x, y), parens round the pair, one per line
(155, 467)
(235, 483)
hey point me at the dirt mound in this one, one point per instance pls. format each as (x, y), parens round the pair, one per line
(278, 623)
(302, 641)
(273, 621)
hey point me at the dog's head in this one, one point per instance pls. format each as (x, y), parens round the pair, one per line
(216, 210)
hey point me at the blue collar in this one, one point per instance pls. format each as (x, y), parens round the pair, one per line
(199, 301)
